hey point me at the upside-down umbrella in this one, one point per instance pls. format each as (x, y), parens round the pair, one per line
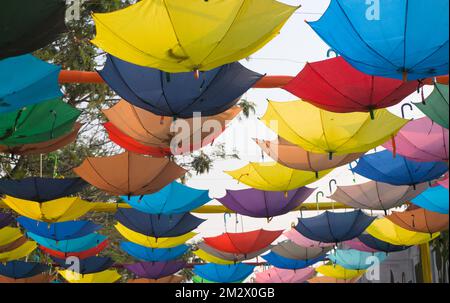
(385, 230)
(212, 255)
(380, 245)
(175, 198)
(28, 25)
(278, 275)
(168, 279)
(13, 245)
(272, 176)
(433, 199)
(299, 239)
(264, 204)
(94, 251)
(179, 95)
(86, 266)
(290, 250)
(330, 227)
(153, 254)
(197, 279)
(59, 231)
(37, 123)
(354, 259)
(384, 167)
(376, 195)
(39, 278)
(325, 84)
(155, 270)
(228, 32)
(141, 131)
(9, 234)
(223, 273)
(390, 42)
(129, 174)
(328, 280)
(436, 105)
(243, 243)
(421, 140)
(18, 253)
(357, 244)
(21, 269)
(59, 210)
(295, 157)
(325, 132)
(5, 220)
(443, 182)
(287, 263)
(339, 272)
(107, 276)
(72, 245)
(420, 220)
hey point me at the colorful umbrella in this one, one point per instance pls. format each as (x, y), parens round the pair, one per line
(228, 32)
(155, 270)
(212, 255)
(153, 254)
(197, 279)
(339, 272)
(179, 95)
(356, 244)
(18, 253)
(436, 105)
(391, 42)
(107, 276)
(223, 273)
(278, 275)
(94, 251)
(13, 245)
(443, 182)
(434, 199)
(286, 263)
(384, 167)
(329, 280)
(21, 269)
(324, 132)
(5, 220)
(354, 259)
(129, 174)
(39, 278)
(290, 250)
(86, 266)
(420, 220)
(330, 227)
(9, 234)
(72, 245)
(301, 240)
(264, 204)
(164, 280)
(380, 245)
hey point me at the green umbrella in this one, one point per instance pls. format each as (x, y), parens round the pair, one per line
(436, 105)
(197, 279)
(37, 123)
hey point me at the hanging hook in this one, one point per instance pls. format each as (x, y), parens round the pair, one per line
(317, 198)
(352, 170)
(403, 109)
(329, 185)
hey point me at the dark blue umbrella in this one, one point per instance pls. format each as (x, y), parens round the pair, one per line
(85, 266)
(379, 245)
(398, 170)
(59, 231)
(331, 227)
(155, 270)
(158, 226)
(287, 263)
(223, 273)
(153, 254)
(41, 189)
(21, 269)
(179, 95)
(5, 220)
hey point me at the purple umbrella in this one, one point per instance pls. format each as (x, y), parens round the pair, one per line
(264, 204)
(5, 220)
(155, 270)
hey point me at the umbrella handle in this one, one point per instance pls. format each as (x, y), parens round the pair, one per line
(332, 51)
(351, 169)
(317, 198)
(329, 185)
(225, 219)
(403, 109)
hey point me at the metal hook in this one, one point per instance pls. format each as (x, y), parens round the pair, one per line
(329, 185)
(403, 109)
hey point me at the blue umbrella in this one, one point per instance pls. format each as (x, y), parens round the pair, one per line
(355, 259)
(384, 167)
(21, 269)
(433, 199)
(158, 226)
(5, 220)
(223, 273)
(403, 39)
(330, 227)
(26, 80)
(72, 245)
(379, 245)
(85, 266)
(287, 263)
(41, 189)
(153, 254)
(175, 198)
(179, 95)
(59, 231)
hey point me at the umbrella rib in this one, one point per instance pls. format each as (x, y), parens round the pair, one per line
(154, 177)
(404, 34)
(354, 134)
(430, 55)
(133, 110)
(441, 94)
(101, 177)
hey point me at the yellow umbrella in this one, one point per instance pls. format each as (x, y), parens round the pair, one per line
(272, 176)
(9, 234)
(181, 36)
(151, 241)
(210, 258)
(18, 253)
(320, 131)
(339, 272)
(59, 210)
(385, 230)
(107, 276)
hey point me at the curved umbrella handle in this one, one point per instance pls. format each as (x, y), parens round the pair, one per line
(225, 219)
(317, 198)
(330, 186)
(351, 169)
(403, 109)
(332, 51)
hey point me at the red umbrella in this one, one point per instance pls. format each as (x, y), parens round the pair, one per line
(81, 255)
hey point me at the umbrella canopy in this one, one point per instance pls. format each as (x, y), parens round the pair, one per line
(354, 259)
(21, 269)
(356, 244)
(229, 32)
(299, 239)
(168, 279)
(13, 245)
(59, 210)
(324, 132)
(28, 25)
(155, 270)
(26, 80)
(59, 231)
(18, 253)
(380, 245)
(339, 272)
(396, 45)
(376, 195)
(421, 140)
(94, 251)
(134, 128)
(436, 105)
(153, 254)
(37, 123)
(174, 198)
(329, 280)
(287, 263)
(72, 245)
(39, 278)
(282, 178)
(420, 220)
(243, 243)
(444, 182)
(278, 275)
(325, 84)
(330, 227)
(384, 167)
(264, 204)
(433, 199)
(295, 157)
(158, 226)
(385, 230)
(107, 276)
(223, 273)
(179, 95)
(9, 234)
(212, 255)
(41, 189)
(129, 173)
(290, 250)
(5, 220)
(86, 266)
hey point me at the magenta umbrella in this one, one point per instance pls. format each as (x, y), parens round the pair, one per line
(278, 275)
(301, 240)
(358, 245)
(421, 140)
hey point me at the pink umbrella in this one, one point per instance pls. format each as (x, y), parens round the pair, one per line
(444, 182)
(421, 140)
(301, 240)
(278, 275)
(358, 245)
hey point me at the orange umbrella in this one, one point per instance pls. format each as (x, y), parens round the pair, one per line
(40, 278)
(129, 174)
(168, 279)
(420, 220)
